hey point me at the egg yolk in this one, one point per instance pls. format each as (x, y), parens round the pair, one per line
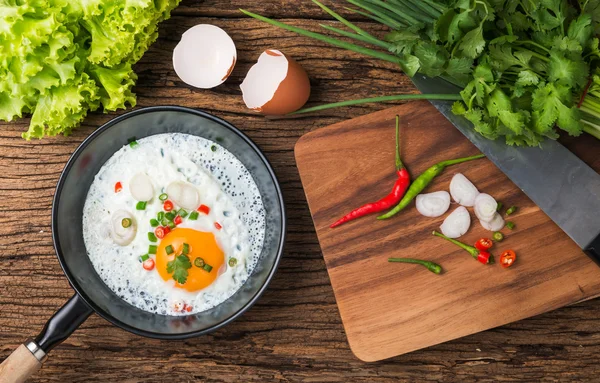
(201, 245)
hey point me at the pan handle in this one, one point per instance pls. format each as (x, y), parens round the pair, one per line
(28, 358)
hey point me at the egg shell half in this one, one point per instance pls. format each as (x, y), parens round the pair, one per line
(276, 84)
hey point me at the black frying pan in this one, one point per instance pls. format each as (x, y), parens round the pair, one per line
(92, 295)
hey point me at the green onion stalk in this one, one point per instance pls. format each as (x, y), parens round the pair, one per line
(417, 46)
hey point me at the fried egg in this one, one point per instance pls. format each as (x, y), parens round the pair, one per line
(174, 224)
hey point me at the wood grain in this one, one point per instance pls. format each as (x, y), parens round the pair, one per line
(294, 333)
(388, 310)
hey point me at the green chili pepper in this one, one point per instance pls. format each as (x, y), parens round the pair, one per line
(126, 223)
(193, 216)
(498, 236)
(152, 237)
(199, 262)
(154, 222)
(232, 262)
(511, 210)
(499, 207)
(510, 225)
(431, 266)
(480, 255)
(422, 181)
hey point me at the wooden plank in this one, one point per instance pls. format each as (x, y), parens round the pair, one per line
(390, 309)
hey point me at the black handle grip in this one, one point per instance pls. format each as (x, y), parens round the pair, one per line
(63, 323)
(593, 250)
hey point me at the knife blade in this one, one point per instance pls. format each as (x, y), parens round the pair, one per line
(556, 180)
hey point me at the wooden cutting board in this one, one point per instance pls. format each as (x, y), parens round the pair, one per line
(391, 309)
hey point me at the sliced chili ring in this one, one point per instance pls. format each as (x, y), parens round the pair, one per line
(160, 232)
(484, 244)
(508, 258)
(148, 264)
(204, 209)
(168, 205)
(178, 220)
(118, 187)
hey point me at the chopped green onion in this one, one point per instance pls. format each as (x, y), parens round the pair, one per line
(154, 223)
(213, 148)
(164, 222)
(170, 216)
(232, 262)
(141, 205)
(152, 237)
(144, 258)
(499, 207)
(133, 144)
(207, 268)
(152, 249)
(182, 213)
(169, 250)
(126, 222)
(510, 225)
(193, 216)
(163, 197)
(160, 216)
(171, 225)
(498, 236)
(186, 249)
(199, 262)
(511, 210)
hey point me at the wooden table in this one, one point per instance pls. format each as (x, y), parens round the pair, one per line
(294, 332)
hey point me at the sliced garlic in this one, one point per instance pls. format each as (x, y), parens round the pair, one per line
(141, 187)
(184, 195)
(121, 235)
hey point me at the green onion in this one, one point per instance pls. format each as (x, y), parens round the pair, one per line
(510, 225)
(207, 268)
(213, 148)
(182, 213)
(152, 249)
(511, 210)
(498, 236)
(499, 207)
(199, 262)
(193, 216)
(232, 262)
(170, 216)
(154, 223)
(163, 197)
(186, 249)
(133, 144)
(152, 237)
(169, 250)
(144, 258)
(126, 222)
(160, 216)
(141, 205)
(164, 222)
(171, 225)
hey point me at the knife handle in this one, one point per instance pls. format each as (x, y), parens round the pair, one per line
(593, 250)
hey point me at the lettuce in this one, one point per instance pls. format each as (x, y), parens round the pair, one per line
(60, 59)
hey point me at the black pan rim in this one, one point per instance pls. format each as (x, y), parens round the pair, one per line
(70, 276)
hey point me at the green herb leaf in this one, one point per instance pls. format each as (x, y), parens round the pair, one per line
(179, 268)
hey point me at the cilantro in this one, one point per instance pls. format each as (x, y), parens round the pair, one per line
(179, 268)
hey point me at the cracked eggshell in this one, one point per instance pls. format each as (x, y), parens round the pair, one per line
(275, 85)
(205, 56)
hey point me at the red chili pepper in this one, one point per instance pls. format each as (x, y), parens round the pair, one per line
(118, 187)
(218, 226)
(204, 209)
(483, 257)
(148, 264)
(389, 201)
(188, 308)
(168, 206)
(508, 258)
(484, 244)
(167, 230)
(160, 232)
(178, 220)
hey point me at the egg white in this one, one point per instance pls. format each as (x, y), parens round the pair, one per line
(223, 183)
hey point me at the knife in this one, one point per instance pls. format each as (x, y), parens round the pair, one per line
(556, 180)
